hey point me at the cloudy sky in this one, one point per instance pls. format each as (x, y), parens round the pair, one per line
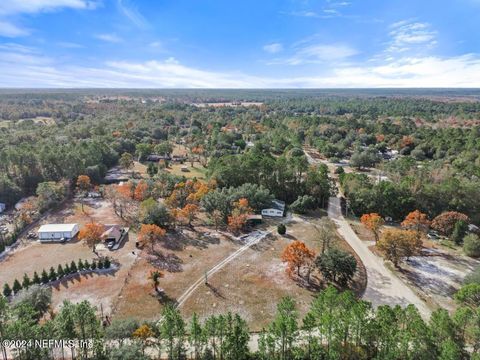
(239, 44)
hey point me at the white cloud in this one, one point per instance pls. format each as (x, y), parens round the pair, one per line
(308, 53)
(273, 48)
(19, 7)
(407, 34)
(8, 29)
(22, 66)
(10, 7)
(132, 13)
(113, 38)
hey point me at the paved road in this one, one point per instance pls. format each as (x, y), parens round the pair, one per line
(383, 287)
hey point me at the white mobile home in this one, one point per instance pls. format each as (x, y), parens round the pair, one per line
(55, 232)
(276, 209)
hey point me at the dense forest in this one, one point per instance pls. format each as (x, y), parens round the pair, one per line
(53, 135)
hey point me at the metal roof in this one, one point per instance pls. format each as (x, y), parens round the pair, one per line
(57, 228)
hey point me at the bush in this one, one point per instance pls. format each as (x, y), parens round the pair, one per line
(86, 265)
(471, 245)
(36, 278)
(81, 266)
(100, 263)
(337, 265)
(94, 265)
(26, 281)
(52, 275)
(73, 267)
(7, 291)
(60, 272)
(281, 229)
(16, 286)
(45, 278)
(107, 263)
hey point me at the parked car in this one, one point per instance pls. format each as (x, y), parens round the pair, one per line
(31, 235)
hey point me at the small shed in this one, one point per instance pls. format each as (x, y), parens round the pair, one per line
(276, 209)
(55, 232)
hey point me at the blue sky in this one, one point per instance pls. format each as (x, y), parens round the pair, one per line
(246, 44)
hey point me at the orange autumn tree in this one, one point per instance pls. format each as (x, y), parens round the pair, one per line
(297, 255)
(417, 221)
(92, 234)
(144, 333)
(84, 183)
(398, 244)
(150, 234)
(140, 192)
(188, 212)
(372, 222)
(445, 222)
(239, 215)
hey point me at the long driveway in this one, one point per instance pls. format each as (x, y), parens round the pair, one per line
(383, 287)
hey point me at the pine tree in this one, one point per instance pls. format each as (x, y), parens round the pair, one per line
(100, 263)
(80, 265)
(86, 265)
(66, 269)
(7, 291)
(26, 281)
(94, 265)
(107, 263)
(16, 286)
(60, 271)
(52, 276)
(45, 277)
(36, 279)
(73, 267)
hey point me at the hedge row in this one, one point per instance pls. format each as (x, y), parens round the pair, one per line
(62, 271)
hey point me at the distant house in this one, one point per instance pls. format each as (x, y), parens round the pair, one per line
(276, 209)
(55, 232)
(2, 207)
(157, 158)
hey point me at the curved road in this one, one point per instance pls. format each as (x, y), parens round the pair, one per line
(383, 287)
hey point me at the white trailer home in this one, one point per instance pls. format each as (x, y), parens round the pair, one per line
(276, 209)
(56, 232)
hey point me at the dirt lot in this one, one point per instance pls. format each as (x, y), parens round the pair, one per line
(33, 256)
(251, 285)
(438, 275)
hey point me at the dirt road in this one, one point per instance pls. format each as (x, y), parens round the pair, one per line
(383, 287)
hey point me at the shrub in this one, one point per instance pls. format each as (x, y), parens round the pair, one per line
(94, 265)
(107, 263)
(36, 278)
(281, 229)
(100, 263)
(45, 277)
(86, 265)
(7, 291)
(337, 265)
(471, 245)
(52, 275)
(26, 281)
(81, 265)
(60, 272)
(16, 286)
(73, 267)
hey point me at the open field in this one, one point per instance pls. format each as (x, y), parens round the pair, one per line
(251, 284)
(197, 171)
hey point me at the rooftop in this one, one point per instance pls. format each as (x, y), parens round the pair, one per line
(57, 227)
